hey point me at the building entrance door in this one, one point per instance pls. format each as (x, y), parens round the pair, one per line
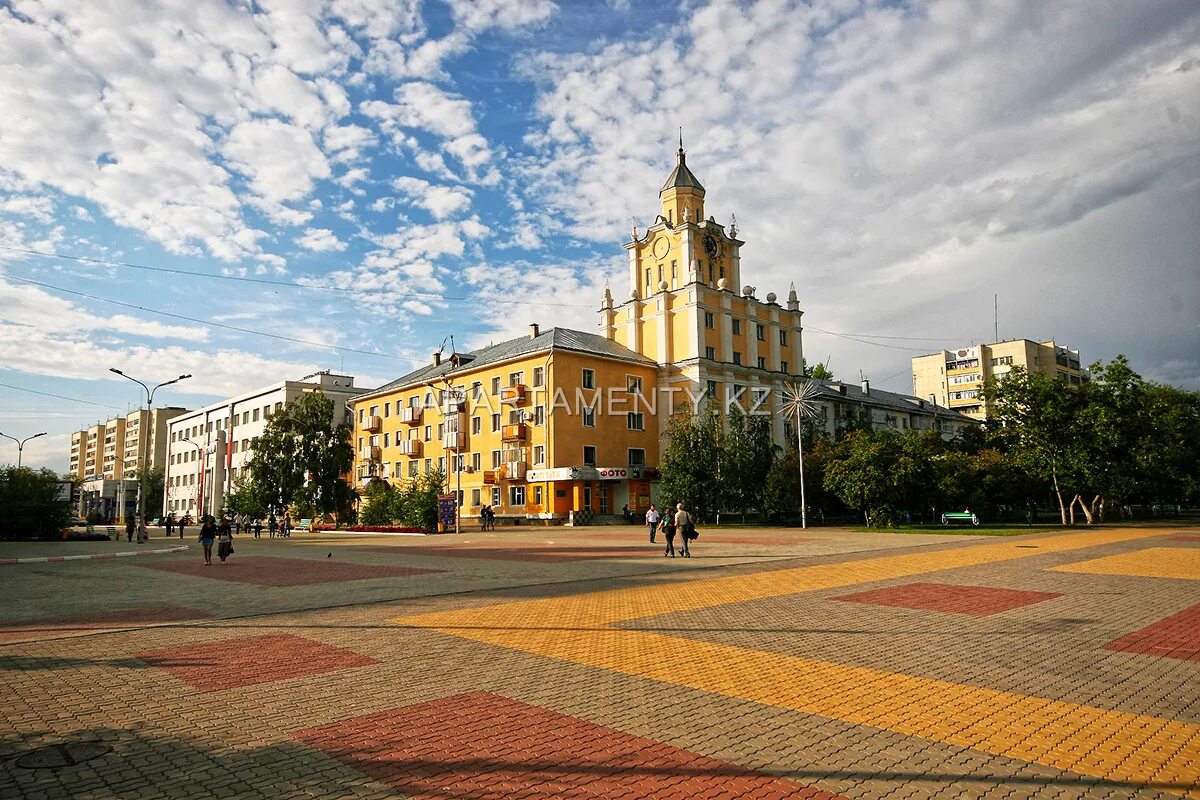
(604, 500)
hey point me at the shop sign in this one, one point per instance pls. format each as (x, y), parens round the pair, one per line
(612, 473)
(555, 474)
(489, 476)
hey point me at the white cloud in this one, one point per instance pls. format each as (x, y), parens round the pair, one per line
(281, 160)
(479, 15)
(441, 201)
(39, 207)
(321, 240)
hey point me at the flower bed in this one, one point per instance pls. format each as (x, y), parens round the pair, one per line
(367, 528)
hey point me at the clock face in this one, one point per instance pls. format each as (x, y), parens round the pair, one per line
(710, 246)
(661, 246)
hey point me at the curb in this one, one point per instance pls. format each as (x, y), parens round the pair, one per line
(48, 559)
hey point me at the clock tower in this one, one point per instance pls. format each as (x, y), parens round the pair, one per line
(687, 309)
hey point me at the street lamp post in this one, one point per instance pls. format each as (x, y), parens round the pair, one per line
(200, 483)
(798, 400)
(142, 438)
(21, 444)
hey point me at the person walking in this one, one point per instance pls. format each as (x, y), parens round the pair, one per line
(170, 524)
(285, 527)
(183, 521)
(208, 534)
(258, 527)
(129, 529)
(483, 517)
(224, 540)
(652, 520)
(685, 528)
(272, 525)
(491, 519)
(668, 531)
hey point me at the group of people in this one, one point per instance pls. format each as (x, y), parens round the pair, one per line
(680, 523)
(239, 523)
(137, 527)
(487, 518)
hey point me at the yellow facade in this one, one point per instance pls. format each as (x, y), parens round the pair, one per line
(954, 378)
(526, 445)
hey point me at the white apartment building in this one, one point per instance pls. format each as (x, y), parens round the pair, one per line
(209, 448)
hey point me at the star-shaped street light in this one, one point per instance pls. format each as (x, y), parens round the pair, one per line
(799, 399)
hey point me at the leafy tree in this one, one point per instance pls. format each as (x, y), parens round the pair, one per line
(378, 504)
(692, 468)
(819, 371)
(246, 499)
(301, 457)
(416, 503)
(153, 483)
(746, 457)
(30, 504)
(870, 472)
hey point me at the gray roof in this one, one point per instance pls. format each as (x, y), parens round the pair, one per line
(555, 338)
(882, 399)
(681, 177)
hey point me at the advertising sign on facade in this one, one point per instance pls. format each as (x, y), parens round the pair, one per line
(447, 510)
(556, 474)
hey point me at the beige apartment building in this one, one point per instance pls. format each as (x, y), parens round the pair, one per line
(106, 456)
(954, 378)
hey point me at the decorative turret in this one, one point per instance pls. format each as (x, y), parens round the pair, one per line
(682, 195)
(793, 299)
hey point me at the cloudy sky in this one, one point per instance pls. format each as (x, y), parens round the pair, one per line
(263, 189)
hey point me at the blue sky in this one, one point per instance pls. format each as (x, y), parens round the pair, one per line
(404, 171)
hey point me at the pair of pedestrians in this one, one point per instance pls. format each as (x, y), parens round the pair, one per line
(680, 522)
(222, 533)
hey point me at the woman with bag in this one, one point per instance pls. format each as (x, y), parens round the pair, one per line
(668, 530)
(686, 529)
(224, 540)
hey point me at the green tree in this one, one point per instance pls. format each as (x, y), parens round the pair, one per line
(153, 481)
(692, 468)
(746, 457)
(416, 502)
(31, 506)
(880, 474)
(301, 457)
(378, 504)
(246, 498)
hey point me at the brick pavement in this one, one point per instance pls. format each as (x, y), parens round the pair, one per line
(734, 668)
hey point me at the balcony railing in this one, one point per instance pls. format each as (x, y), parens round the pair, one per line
(411, 415)
(410, 447)
(513, 395)
(370, 453)
(454, 440)
(513, 433)
(372, 423)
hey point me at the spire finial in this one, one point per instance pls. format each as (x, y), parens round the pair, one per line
(681, 154)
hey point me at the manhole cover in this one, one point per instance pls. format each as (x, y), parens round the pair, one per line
(62, 755)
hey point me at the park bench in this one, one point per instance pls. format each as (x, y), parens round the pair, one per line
(959, 518)
(303, 525)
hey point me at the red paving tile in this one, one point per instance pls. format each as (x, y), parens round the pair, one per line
(272, 571)
(133, 617)
(978, 601)
(230, 663)
(1176, 636)
(765, 540)
(1184, 539)
(485, 746)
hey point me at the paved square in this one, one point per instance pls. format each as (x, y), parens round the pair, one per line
(1153, 562)
(978, 601)
(276, 571)
(231, 663)
(734, 674)
(133, 617)
(1177, 636)
(550, 554)
(513, 749)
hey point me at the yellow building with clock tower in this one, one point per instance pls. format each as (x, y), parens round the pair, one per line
(688, 310)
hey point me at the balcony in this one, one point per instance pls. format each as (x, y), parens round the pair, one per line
(410, 447)
(372, 423)
(513, 395)
(412, 415)
(454, 402)
(512, 454)
(514, 471)
(513, 433)
(454, 440)
(370, 453)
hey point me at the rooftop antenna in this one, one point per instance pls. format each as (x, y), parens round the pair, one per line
(996, 317)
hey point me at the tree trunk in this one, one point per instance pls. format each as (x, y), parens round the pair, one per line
(1071, 508)
(1062, 511)
(1087, 512)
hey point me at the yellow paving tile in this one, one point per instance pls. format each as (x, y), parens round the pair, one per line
(1083, 739)
(1153, 562)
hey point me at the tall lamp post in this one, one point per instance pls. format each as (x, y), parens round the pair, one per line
(142, 438)
(21, 444)
(200, 483)
(798, 400)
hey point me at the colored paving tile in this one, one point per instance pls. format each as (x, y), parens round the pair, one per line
(483, 745)
(1184, 539)
(545, 555)
(1152, 562)
(1177, 636)
(1150, 751)
(230, 663)
(273, 571)
(133, 617)
(773, 541)
(978, 601)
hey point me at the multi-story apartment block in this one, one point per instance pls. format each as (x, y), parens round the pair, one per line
(955, 378)
(562, 423)
(209, 448)
(106, 458)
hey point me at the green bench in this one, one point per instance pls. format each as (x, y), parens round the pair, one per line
(303, 526)
(959, 518)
